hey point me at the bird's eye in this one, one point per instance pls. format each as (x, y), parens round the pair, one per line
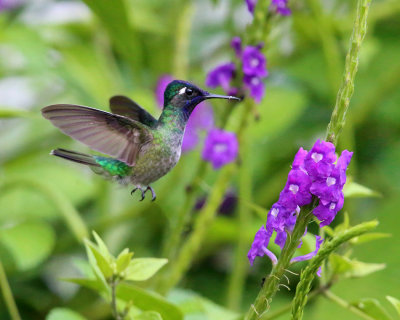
(189, 91)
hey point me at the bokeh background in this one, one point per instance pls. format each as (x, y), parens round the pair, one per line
(63, 51)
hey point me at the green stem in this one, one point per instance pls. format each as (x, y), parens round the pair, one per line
(343, 303)
(190, 247)
(309, 273)
(114, 309)
(67, 210)
(347, 87)
(271, 285)
(238, 274)
(7, 295)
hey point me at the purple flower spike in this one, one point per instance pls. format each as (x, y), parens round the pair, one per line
(162, 83)
(308, 256)
(251, 4)
(221, 76)
(281, 7)
(236, 44)
(254, 62)
(256, 87)
(221, 147)
(297, 190)
(318, 162)
(259, 246)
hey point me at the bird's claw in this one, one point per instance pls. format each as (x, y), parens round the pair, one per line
(133, 191)
(153, 194)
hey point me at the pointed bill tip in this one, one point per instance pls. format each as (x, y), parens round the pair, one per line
(217, 96)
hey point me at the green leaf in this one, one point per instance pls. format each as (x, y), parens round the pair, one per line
(102, 246)
(395, 302)
(123, 260)
(26, 245)
(141, 269)
(150, 315)
(353, 268)
(94, 284)
(149, 301)
(369, 237)
(355, 190)
(372, 308)
(101, 261)
(64, 314)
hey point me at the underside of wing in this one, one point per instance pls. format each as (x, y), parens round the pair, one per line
(126, 107)
(102, 131)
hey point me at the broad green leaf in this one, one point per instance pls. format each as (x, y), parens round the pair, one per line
(369, 237)
(64, 314)
(27, 244)
(141, 269)
(355, 190)
(150, 315)
(102, 246)
(149, 301)
(101, 261)
(123, 260)
(395, 302)
(353, 268)
(373, 308)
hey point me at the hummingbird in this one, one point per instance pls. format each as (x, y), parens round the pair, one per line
(141, 149)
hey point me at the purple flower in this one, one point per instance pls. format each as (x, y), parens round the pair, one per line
(221, 76)
(9, 4)
(326, 210)
(297, 189)
(318, 242)
(236, 44)
(251, 4)
(259, 246)
(298, 162)
(281, 7)
(318, 162)
(162, 83)
(220, 147)
(256, 87)
(254, 62)
(289, 223)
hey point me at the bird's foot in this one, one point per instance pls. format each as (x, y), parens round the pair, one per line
(153, 194)
(143, 191)
(133, 191)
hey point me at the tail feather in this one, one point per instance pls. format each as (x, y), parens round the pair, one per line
(75, 156)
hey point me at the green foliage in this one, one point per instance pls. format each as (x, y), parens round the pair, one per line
(395, 302)
(351, 268)
(63, 314)
(372, 308)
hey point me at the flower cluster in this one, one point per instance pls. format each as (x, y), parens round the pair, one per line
(253, 67)
(279, 6)
(316, 173)
(220, 147)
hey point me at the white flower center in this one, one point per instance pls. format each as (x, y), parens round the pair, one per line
(332, 206)
(330, 181)
(294, 188)
(220, 148)
(274, 212)
(254, 62)
(317, 157)
(255, 81)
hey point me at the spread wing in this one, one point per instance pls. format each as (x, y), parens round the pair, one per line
(126, 107)
(102, 131)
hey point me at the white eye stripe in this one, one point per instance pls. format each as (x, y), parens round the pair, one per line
(182, 91)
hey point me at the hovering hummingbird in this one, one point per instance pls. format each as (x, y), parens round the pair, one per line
(142, 149)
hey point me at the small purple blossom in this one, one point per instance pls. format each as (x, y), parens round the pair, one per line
(254, 62)
(281, 7)
(297, 189)
(221, 76)
(318, 242)
(162, 83)
(319, 161)
(251, 4)
(236, 45)
(326, 210)
(220, 147)
(259, 246)
(255, 86)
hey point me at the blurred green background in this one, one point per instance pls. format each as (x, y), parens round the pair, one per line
(84, 52)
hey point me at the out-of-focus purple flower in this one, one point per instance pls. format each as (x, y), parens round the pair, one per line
(9, 4)
(281, 7)
(254, 62)
(319, 161)
(220, 147)
(162, 83)
(221, 76)
(255, 86)
(318, 242)
(251, 4)
(259, 246)
(297, 190)
(236, 44)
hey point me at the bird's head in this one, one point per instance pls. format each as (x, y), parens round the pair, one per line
(186, 96)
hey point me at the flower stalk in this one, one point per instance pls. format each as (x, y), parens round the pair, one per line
(7, 295)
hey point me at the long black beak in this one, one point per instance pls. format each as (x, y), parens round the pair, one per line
(217, 96)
